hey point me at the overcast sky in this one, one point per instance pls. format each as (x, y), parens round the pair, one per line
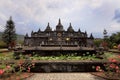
(91, 15)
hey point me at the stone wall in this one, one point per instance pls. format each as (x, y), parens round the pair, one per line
(67, 66)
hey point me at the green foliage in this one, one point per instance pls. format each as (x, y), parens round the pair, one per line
(98, 42)
(6, 56)
(2, 44)
(111, 68)
(9, 35)
(20, 40)
(110, 41)
(114, 39)
(64, 57)
(16, 68)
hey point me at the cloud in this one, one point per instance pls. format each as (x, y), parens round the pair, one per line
(3, 17)
(114, 27)
(89, 15)
(95, 3)
(117, 15)
(1, 28)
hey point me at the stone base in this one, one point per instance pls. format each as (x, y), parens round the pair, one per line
(66, 66)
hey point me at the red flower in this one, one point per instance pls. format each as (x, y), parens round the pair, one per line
(112, 60)
(97, 68)
(8, 67)
(112, 66)
(28, 69)
(117, 71)
(104, 64)
(1, 71)
(116, 67)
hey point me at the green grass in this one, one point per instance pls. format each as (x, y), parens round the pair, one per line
(106, 56)
(110, 55)
(9, 56)
(64, 57)
(6, 56)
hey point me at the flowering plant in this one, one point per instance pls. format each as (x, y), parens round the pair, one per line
(5, 69)
(111, 68)
(16, 68)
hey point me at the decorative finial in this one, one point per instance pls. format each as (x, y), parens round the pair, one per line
(85, 32)
(70, 24)
(48, 24)
(48, 28)
(59, 21)
(26, 35)
(91, 36)
(10, 17)
(79, 30)
(32, 32)
(39, 30)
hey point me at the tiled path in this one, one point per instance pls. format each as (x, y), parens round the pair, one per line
(64, 76)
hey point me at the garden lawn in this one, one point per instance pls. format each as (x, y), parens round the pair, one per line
(6, 55)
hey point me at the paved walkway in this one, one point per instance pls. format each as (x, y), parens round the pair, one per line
(64, 76)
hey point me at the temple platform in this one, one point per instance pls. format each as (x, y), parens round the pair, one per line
(57, 50)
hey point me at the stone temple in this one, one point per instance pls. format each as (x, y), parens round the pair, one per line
(59, 39)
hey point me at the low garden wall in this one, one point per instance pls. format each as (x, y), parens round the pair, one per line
(66, 66)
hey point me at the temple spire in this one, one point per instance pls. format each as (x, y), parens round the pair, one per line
(70, 29)
(85, 33)
(70, 25)
(48, 24)
(59, 26)
(10, 21)
(32, 32)
(10, 17)
(26, 35)
(48, 28)
(91, 36)
(59, 22)
(39, 30)
(79, 30)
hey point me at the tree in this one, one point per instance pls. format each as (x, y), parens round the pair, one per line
(98, 42)
(105, 33)
(114, 40)
(105, 41)
(9, 34)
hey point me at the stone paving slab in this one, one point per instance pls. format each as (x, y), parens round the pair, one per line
(64, 76)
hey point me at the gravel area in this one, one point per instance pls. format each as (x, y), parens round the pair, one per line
(64, 76)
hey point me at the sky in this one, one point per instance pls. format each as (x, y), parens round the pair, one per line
(92, 16)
